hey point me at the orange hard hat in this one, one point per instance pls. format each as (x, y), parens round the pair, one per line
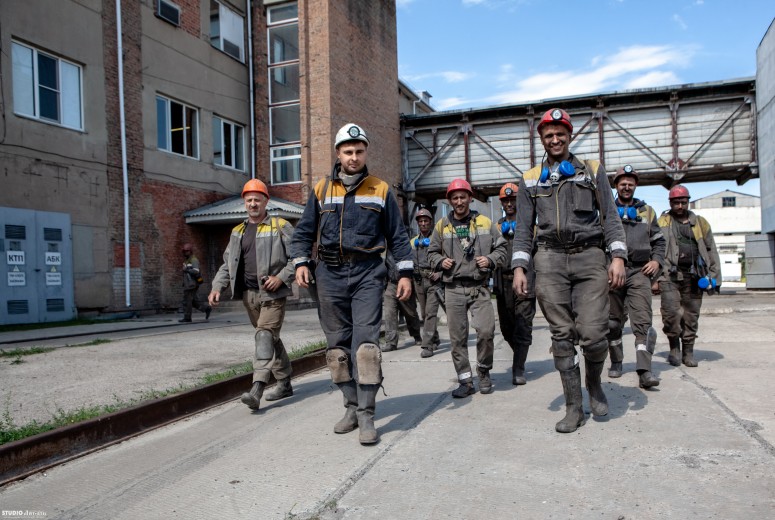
(678, 192)
(626, 171)
(557, 116)
(508, 190)
(255, 185)
(423, 213)
(459, 184)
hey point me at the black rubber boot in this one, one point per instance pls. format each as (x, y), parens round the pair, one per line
(674, 358)
(688, 355)
(518, 365)
(281, 390)
(597, 400)
(350, 420)
(574, 412)
(485, 383)
(646, 379)
(253, 398)
(367, 401)
(616, 352)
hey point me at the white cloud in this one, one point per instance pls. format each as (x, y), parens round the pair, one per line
(451, 102)
(680, 22)
(449, 76)
(631, 67)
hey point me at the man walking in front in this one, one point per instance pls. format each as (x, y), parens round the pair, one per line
(568, 202)
(259, 270)
(645, 255)
(466, 247)
(353, 217)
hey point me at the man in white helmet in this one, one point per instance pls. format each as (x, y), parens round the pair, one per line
(353, 217)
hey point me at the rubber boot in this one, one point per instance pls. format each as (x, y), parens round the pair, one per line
(518, 365)
(674, 358)
(281, 390)
(643, 354)
(688, 355)
(350, 420)
(597, 400)
(367, 400)
(574, 412)
(253, 398)
(616, 352)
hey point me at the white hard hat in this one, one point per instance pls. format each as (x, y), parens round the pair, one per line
(350, 132)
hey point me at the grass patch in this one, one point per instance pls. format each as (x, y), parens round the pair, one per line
(9, 432)
(52, 324)
(18, 352)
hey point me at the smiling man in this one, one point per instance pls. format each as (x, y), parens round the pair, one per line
(466, 247)
(353, 217)
(568, 203)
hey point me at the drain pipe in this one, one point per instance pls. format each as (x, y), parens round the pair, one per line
(120, 51)
(252, 94)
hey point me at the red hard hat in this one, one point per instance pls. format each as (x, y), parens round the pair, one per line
(558, 116)
(423, 213)
(255, 185)
(508, 190)
(678, 191)
(626, 171)
(459, 184)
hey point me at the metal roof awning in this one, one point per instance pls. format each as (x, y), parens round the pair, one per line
(232, 211)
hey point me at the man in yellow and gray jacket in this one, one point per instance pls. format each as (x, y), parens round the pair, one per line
(467, 247)
(257, 266)
(692, 267)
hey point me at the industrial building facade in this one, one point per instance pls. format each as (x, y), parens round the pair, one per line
(106, 144)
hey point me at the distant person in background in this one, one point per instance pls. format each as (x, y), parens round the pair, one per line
(645, 255)
(427, 283)
(192, 279)
(692, 268)
(257, 266)
(515, 312)
(392, 306)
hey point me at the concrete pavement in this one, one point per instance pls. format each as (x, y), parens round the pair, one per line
(699, 446)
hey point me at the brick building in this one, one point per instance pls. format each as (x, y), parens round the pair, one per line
(193, 132)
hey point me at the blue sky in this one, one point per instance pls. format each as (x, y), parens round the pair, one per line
(478, 53)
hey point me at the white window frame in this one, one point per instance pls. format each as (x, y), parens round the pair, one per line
(277, 72)
(225, 14)
(237, 144)
(273, 160)
(64, 69)
(194, 127)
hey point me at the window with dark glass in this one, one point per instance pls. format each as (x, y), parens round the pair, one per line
(228, 144)
(227, 30)
(177, 127)
(728, 202)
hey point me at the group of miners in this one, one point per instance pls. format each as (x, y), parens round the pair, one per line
(589, 260)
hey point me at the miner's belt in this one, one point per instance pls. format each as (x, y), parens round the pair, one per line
(348, 258)
(570, 249)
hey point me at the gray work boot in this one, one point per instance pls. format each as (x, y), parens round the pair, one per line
(485, 383)
(643, 354)
(688, 355)
(464, 390)
(367, 400)
(350, 420)
(426, 352)
(281, 390)
(616, 353)
(597, 400)
(647, 380)
(253, 398)
(574, 412)
(674, 358)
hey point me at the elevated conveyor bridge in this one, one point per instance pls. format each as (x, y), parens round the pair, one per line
(689, 133)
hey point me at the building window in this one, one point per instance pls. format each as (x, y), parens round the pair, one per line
(228, 144)
(176, 127)
(286, 164)
(227, 30)
(46, 88)
(728, 202)
(284, 105)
